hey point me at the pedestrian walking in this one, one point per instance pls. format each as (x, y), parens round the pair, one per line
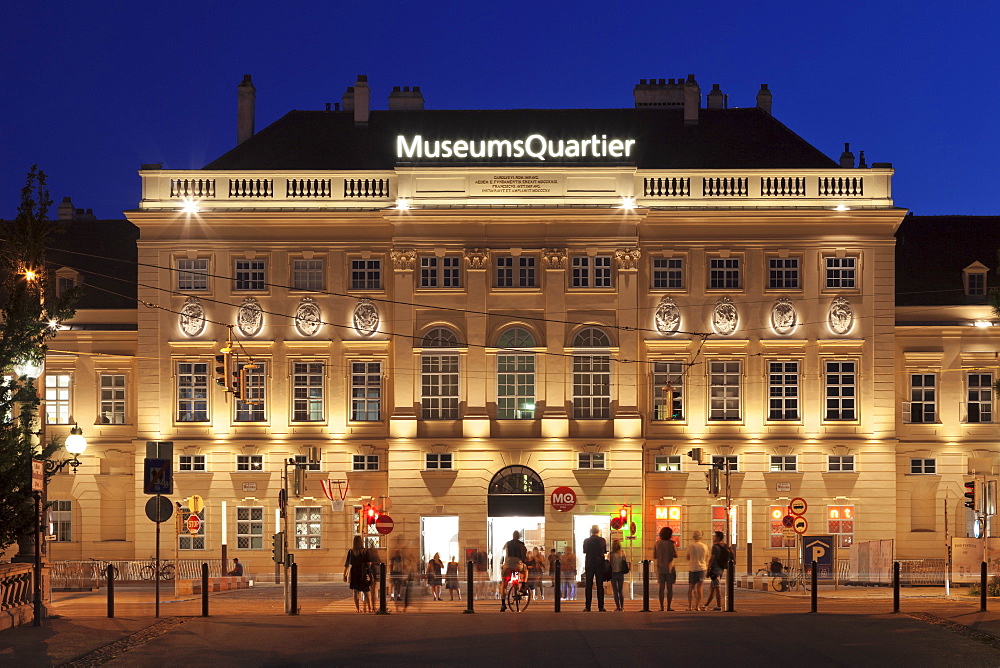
(594, 549)
(396, 575)
(618, 565)
(357, 573)
(451, 580)
(697, 554)
(664, 553)
(568, 574)
(718, 564)
(541, 565)
(434, 568)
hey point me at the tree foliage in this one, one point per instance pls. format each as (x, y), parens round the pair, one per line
(30, 310)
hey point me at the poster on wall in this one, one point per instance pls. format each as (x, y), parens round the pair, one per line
(966, 556)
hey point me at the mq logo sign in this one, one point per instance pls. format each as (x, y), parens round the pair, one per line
(563, 499)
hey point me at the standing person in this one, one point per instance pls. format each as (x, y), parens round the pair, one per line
(664, 553)
(719, 563)
(617, 575)
(531, 565)
(515, 552)
(451, 580)
(697, 555)
(568, 568)
(541, 565)
(357, 573)
(396, 574)
(594, 549)
(434, 568)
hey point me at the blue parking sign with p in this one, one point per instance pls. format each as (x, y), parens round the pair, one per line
(820, 550)
(156, 476)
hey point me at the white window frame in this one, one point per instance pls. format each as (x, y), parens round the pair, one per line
(308, 275)
(922, 406)
(591, 461)
(249, 275)
(58, 398)
(308, 527)
(61, 520)
(979, 397)
(783, 464)
(667, 464)
(840, 273)
(441, 272)
(192, 274)
(250, 528)
(439, 461)
(366, 463)
(783, 391)
(784, 273)
(366, 390)
(923, 466)
(840, 407)
(307, 464)
(725, 403)
(515, 385)
(255, 391)
(440, 385)
(840, 463)
(725, 273)
(113, 398)
(308, 391)
(249, 463)
(668, 373)
(366, 274)
(667, 273)
(192, 395)
(192, 463)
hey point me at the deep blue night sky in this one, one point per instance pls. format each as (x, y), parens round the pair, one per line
(94, 89)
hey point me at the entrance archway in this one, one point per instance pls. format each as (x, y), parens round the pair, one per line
(516, 491)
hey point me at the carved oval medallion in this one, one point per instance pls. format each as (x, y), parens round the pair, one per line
(783, 317)
(667, 316)
(308, 319)
(251, 317)
(841, 316)
(192, 317)
(365, 317)
(724, 316)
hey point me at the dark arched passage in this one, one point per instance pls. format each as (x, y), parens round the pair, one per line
(516, 491)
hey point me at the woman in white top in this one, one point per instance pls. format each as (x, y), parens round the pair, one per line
(617, 558)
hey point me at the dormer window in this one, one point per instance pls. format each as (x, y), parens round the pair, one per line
(66, 280)
(974, 279)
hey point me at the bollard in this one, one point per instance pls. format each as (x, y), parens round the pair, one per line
(111, 591)
(469, 608)
(555, 584)
(731, 586)
(294, 609)
(982, 587)
(645, 585)
(204, 590)
(895, 586)
(382, 605)
(812, 595)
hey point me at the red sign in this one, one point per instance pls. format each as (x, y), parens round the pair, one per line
(788, 521)
(617, 522)
(383, 524)
(563, 499)
(193, 524)
(800, 525)
(798, 506)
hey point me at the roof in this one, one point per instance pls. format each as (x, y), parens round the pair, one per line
(104, 252)
(932, 251)
(722, 139)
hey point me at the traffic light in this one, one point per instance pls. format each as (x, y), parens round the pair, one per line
(695, 454)
(299, 480)
(970, 494)
(712, 481)
(237, 385)
(278, 547)
(371, 514)
(222, 371)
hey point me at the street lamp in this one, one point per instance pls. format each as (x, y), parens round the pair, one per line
(29, 367)
(75, 445)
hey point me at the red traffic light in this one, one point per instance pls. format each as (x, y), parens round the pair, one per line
(623, 513)
(371, 514)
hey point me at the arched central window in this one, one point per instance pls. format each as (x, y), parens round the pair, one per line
(592, 376)
(515, 375)
(439, 374)
(516, 491)
(441, 337)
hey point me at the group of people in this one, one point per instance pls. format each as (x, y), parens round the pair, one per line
(701, 560)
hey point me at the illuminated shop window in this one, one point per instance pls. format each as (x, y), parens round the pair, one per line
(840, 524)
(670, 516)
(777, 534)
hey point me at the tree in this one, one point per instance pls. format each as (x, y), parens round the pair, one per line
(31, 312)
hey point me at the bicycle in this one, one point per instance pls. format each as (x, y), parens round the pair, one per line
(100, 567)
(148, 572)
(519, 594)
(791, 580)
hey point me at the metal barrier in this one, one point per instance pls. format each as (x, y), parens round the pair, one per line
(921, 572)
(90, 573)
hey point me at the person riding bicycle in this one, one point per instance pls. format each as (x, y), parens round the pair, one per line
(515, 553)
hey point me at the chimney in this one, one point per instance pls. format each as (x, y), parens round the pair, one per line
(65, 210)
(764, 99)
(847, 158)
(692, 101)
(347, 99)
(658, 93)
(246, 100)
(716, 98)
(406, 99)
(362, 101)
(861, 161)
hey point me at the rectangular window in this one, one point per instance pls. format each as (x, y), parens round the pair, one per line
(366, 391)
(923, 398)
(923, 466)
(438, 461)
(307, 275)
(667, 463)
(112, 399)
(779, 536)
(249, 275)
(783, 390)
(976, 284)
(308, 528)
(841, 273)
(192, 392)
(61, 521)
(307, 392)
(443, 272)
(439, 387)
(591, 387)
(979, 407)
(590, 460)
(250, 408)
(304, 462)
(783, 273)
(365, 463)
(250, 527)
(783, 463)
(515, 272)
(191, 463)
(724, 398)
(668, 273)
(840, 381)
(366, 274)
(249, 462)
(724, 273)
(719, 522)
(516, 387)
(369, 532)
(668, 391)
(835, 463)
(840, 524)
(57, 398)
(451, 268)
(590, 272)
(192, 275)
(189, 541)
(719, 461)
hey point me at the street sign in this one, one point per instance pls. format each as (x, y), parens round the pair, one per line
(783, 487)
(617, 535)
(788, 520)
(563, 499)
(800, 525)
(820, 550)
(282, 499)
(384, 524)
(196, 504)
(249, 487)
(37, 476)
(788, 533)
(617, 522)
(156, 476)
(161, 503)
(193, 524)
(632, 528)
(798, 506)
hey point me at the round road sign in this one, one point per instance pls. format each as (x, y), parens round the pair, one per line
(161, 503)
(193, 524)
(617, 522)
(384, 524)
(787, 521)
(800, 525)
(798, 506)
(196, 504)
(563, 499)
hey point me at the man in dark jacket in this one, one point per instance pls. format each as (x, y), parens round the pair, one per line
(594, 549)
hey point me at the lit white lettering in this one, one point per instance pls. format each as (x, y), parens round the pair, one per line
(472, 149)
(615, 147)
(461, 149)
(534, 146)
(501, 146)
(446, 148)
(539, 153)
(573, 148)
(519, 148)
(413, 150)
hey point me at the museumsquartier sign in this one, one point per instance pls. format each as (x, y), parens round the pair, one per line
(537, 147)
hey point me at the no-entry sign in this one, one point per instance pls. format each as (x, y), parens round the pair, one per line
(384, 524)
(563, 499)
